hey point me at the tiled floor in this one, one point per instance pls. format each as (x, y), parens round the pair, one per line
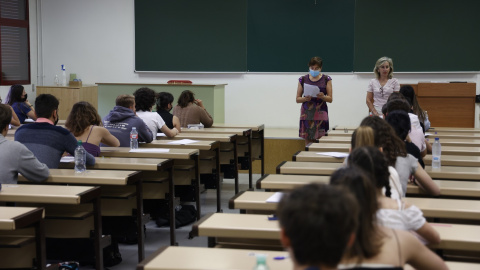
(159, 237)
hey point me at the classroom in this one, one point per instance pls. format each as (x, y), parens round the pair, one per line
(96, 39)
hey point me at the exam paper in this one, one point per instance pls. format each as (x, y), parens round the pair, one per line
(275, 198)
(184, 141)
(333, 154)
(161, 135)
(310, 90)
(150, 150)
(67, 159)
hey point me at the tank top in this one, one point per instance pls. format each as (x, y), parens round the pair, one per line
(93, 149)
(167, 117)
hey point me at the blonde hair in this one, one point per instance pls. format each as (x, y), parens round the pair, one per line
(362, 136)
(379, 63)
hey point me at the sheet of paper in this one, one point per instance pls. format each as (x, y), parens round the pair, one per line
(150, 150)
(67, 159)
(310, 90)
(28, 120)
(161, 135)
(333, 154)
(428, 134)
(184, 141)
(275, 198)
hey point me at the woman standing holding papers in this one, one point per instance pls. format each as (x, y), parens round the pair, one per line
(314, 90)
(380, 88)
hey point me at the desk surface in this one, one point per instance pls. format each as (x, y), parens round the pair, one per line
(235, 126)
(236, 131)
(454, 172)
(125, 152)
(315, 168)
(445, 142)
(441, 135)
(12, 218)
(447, 188)
(203, 137)
(47, 193)
(167, 143)
(190, 258)
(438, 208)
(454, 236)
(115, 163)
(89, 177)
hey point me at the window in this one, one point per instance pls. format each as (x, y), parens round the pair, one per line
(14, 42)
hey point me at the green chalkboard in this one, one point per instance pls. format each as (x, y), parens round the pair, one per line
(284, 34)
(419, 35)
(191, 35)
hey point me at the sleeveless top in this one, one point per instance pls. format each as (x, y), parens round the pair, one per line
(91, 148)
(167, 117)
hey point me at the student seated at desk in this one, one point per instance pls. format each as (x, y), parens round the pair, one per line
(375, 246)
(86, 125)
(15, 157)
(122, 119)
(144, 101)
(17, 98)
(392, 213)
(318, 223)
(47, 141)
(164, 106)
(191, 111)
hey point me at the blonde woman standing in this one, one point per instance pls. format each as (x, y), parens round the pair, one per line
(380, 88)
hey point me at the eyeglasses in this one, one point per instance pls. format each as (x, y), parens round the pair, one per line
(381, 90)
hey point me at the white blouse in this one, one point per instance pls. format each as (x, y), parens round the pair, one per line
(409, 219)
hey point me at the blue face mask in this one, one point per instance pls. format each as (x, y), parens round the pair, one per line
(314, 73)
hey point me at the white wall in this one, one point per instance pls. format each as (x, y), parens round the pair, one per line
(95, 40)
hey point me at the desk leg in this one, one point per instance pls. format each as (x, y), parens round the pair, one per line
(197, 184)
(250, 158)
(219, 187)
(171, 201)
(97, 220)
(262, 150)
(40, 244)
(235, 158)
(141, 236)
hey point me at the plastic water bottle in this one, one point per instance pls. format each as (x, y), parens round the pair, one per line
(261, 262)
(436, 154)
(80, 158)
(64, 76)
(56, 81)
(134, 138)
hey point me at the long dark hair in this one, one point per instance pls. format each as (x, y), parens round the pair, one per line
(386, 138)
(374, 163)
(368, 239)
(409, 93)
(185, 98)
(15, 94)
(82, 115)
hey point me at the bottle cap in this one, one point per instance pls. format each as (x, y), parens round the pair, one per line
(79, 142)
(437, 139)
(261, 258)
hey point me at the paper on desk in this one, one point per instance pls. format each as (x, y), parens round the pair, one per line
(161, 135)
(428, 134)
(149, 150)
(333, 154)
(275, 198)
(67, 159)
(184, 141)
(310, 90)
(28, 120)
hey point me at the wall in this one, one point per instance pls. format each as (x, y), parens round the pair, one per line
(95, 39)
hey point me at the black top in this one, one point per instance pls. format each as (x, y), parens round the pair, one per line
(167, 117)
(413, 150)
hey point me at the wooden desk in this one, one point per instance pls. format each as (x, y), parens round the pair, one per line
(203, 146)
(450, 189)
(454, 129)
(258, 132)
(70, 195)
(69, 95)
(175, 154)
(144, 165)
(454, 172)
(444, 142)
(104, 178)
(249, 226)
(224, 139)
(307, 168)
(435, 208)
(452, 135)
(191, 258)
(242, 135)
(13, 218)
